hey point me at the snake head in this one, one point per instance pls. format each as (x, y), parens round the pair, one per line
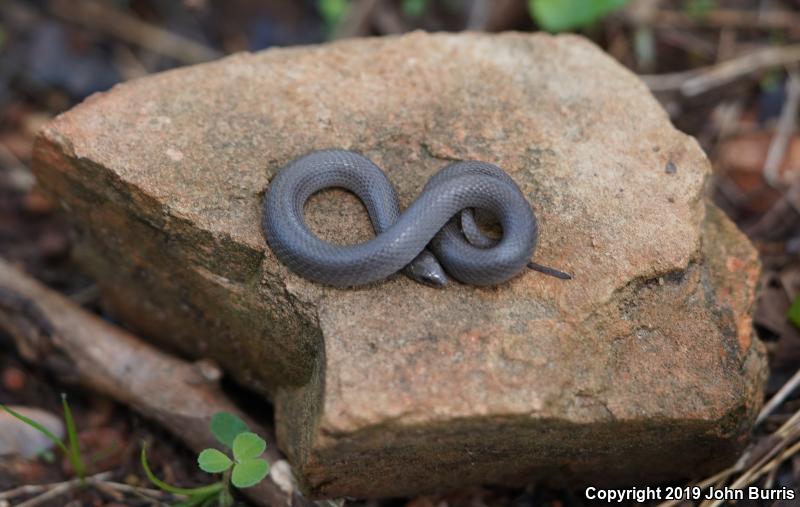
(426, 270)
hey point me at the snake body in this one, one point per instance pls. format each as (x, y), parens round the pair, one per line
(402, 239)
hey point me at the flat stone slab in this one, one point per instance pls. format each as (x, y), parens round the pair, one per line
(643, 367)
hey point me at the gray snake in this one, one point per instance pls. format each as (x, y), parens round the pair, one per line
(424, 241)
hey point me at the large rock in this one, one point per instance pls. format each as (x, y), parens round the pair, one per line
(644, 367)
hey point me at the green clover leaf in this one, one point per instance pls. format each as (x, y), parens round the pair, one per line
(226, 426)
(246, 468)
(249, 472)
(414, 8)
(213, 461)
(248, 446)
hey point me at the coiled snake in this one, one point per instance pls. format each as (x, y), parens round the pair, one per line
(402, 239)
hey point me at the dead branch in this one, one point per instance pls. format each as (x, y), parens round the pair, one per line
(37, 489)
(784, 130)
(95, 15)
(730, 18)
(779, 397)
(695, 82)
(781, 219)
(51, 330)
(52, 491)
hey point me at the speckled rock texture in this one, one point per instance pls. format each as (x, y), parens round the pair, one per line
(642, 368)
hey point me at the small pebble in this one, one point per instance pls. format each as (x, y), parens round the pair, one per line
(17, 438)
(671, 167)
(208, 370)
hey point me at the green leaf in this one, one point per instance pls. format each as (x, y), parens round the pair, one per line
(214, 461)
(202, 491)
(72, 435)
(414, 8)
(332, 10)
(37, 426)
(247, 446)
(249, 472)
(794, 312)
(225, 426)
(561, 15)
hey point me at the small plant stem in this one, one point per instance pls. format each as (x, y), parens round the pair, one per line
(225, 495)
(203, 490)
(74, 454)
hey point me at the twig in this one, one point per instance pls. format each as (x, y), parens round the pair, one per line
(695, 82)
(50, 491)
(783, 130)
(93, 14)
(127, 488)
(714, 479)
(688, 41)
(118, 490)
(731, 18)
(781, 219)
(756, 473)
(61, 489)
(100, 481)
(779, 397)
(109, 492)
(770, 481)
(28, 489)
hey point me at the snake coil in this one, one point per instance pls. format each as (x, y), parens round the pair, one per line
(402, 239)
